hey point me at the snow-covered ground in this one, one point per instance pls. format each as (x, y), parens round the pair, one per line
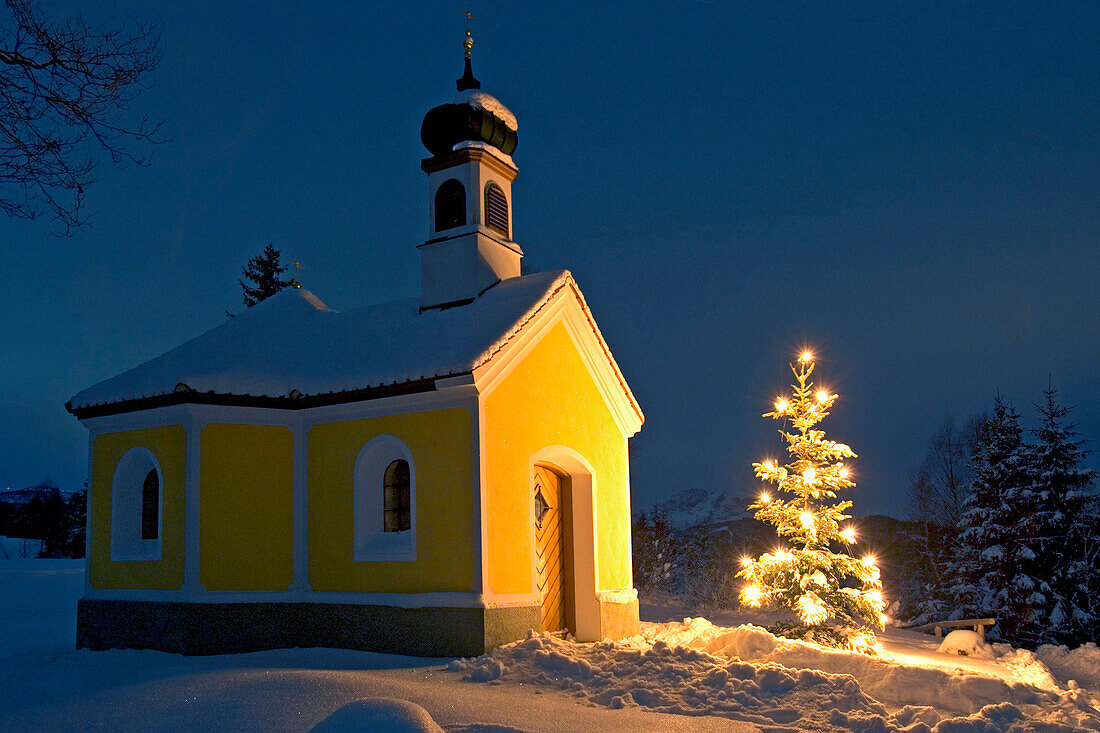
(679, 675)
(16, 548)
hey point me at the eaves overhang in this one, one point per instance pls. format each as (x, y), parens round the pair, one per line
(185, 396)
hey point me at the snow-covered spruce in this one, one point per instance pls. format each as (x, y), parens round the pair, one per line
(1027, 532)
(745, 673)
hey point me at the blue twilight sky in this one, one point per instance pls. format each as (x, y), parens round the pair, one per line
(911, 188)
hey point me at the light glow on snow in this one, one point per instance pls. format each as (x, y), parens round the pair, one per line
(692, 669)
(807, 520)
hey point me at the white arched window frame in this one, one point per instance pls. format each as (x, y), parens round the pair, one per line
(370, 540)
(127, 489)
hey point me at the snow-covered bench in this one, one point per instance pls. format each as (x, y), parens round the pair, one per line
(978, 624)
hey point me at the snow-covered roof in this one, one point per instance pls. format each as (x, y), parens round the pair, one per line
(293, 345)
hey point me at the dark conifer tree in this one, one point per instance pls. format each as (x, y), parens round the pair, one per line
(653, 543)
(1058, 531)
(989, 574)
(263, 275)
(76, 517)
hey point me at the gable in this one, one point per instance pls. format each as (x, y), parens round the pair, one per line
(565, 306)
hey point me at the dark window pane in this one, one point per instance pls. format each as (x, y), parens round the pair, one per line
(150, 506)
(395, 495)
(450, 205)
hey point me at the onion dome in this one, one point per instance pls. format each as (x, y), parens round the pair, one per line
(474, 116)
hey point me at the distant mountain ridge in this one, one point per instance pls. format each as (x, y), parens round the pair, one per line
(42, 490)
(692, 507)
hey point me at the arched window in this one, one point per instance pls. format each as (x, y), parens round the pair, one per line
(137, 500)
(150, 506)
(450, 205)
(395, 492)
(496, 209)
(384, 501)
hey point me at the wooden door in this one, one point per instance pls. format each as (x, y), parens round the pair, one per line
(549, 548)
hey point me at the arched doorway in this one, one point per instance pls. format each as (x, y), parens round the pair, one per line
(553, 549)
(579, 561)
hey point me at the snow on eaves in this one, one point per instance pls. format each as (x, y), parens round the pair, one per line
(293, 344)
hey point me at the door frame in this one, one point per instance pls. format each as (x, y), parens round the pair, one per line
(578, 480)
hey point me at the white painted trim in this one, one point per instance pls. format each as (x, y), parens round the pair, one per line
(566, 307)
(629, 595)
(384, 406)
(127, 503)
(448, 383)
(88, 516)
(370, 541)
(630, 513)
(191, 503)
(301, 508)
(156, 417)
(446, 396)
(400, 600)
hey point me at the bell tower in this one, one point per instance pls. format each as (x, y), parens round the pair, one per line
(470, 173)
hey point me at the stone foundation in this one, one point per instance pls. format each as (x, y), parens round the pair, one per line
(224, 628)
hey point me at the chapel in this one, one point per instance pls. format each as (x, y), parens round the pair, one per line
(433, 476)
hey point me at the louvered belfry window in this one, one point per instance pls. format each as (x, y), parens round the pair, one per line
(397, 507)
(450, 205)
(150, 506)
(496, 209)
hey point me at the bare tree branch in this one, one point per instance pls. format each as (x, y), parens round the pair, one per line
(65, 93)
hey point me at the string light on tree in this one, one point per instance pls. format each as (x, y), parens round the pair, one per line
(834, 596)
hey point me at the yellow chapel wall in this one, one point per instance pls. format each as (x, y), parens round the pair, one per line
(246, 507)
(441, 444)
(550, 399)
(169, 445)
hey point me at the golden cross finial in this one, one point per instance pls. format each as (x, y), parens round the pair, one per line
(298, 267)
(469, 42)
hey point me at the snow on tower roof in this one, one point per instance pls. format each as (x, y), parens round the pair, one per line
(484, 100)
(292, 346)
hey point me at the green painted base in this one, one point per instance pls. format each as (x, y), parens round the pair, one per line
(225, 628)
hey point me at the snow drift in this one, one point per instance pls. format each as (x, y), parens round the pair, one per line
(745, 673)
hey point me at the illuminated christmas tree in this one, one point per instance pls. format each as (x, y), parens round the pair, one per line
(833, 594)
